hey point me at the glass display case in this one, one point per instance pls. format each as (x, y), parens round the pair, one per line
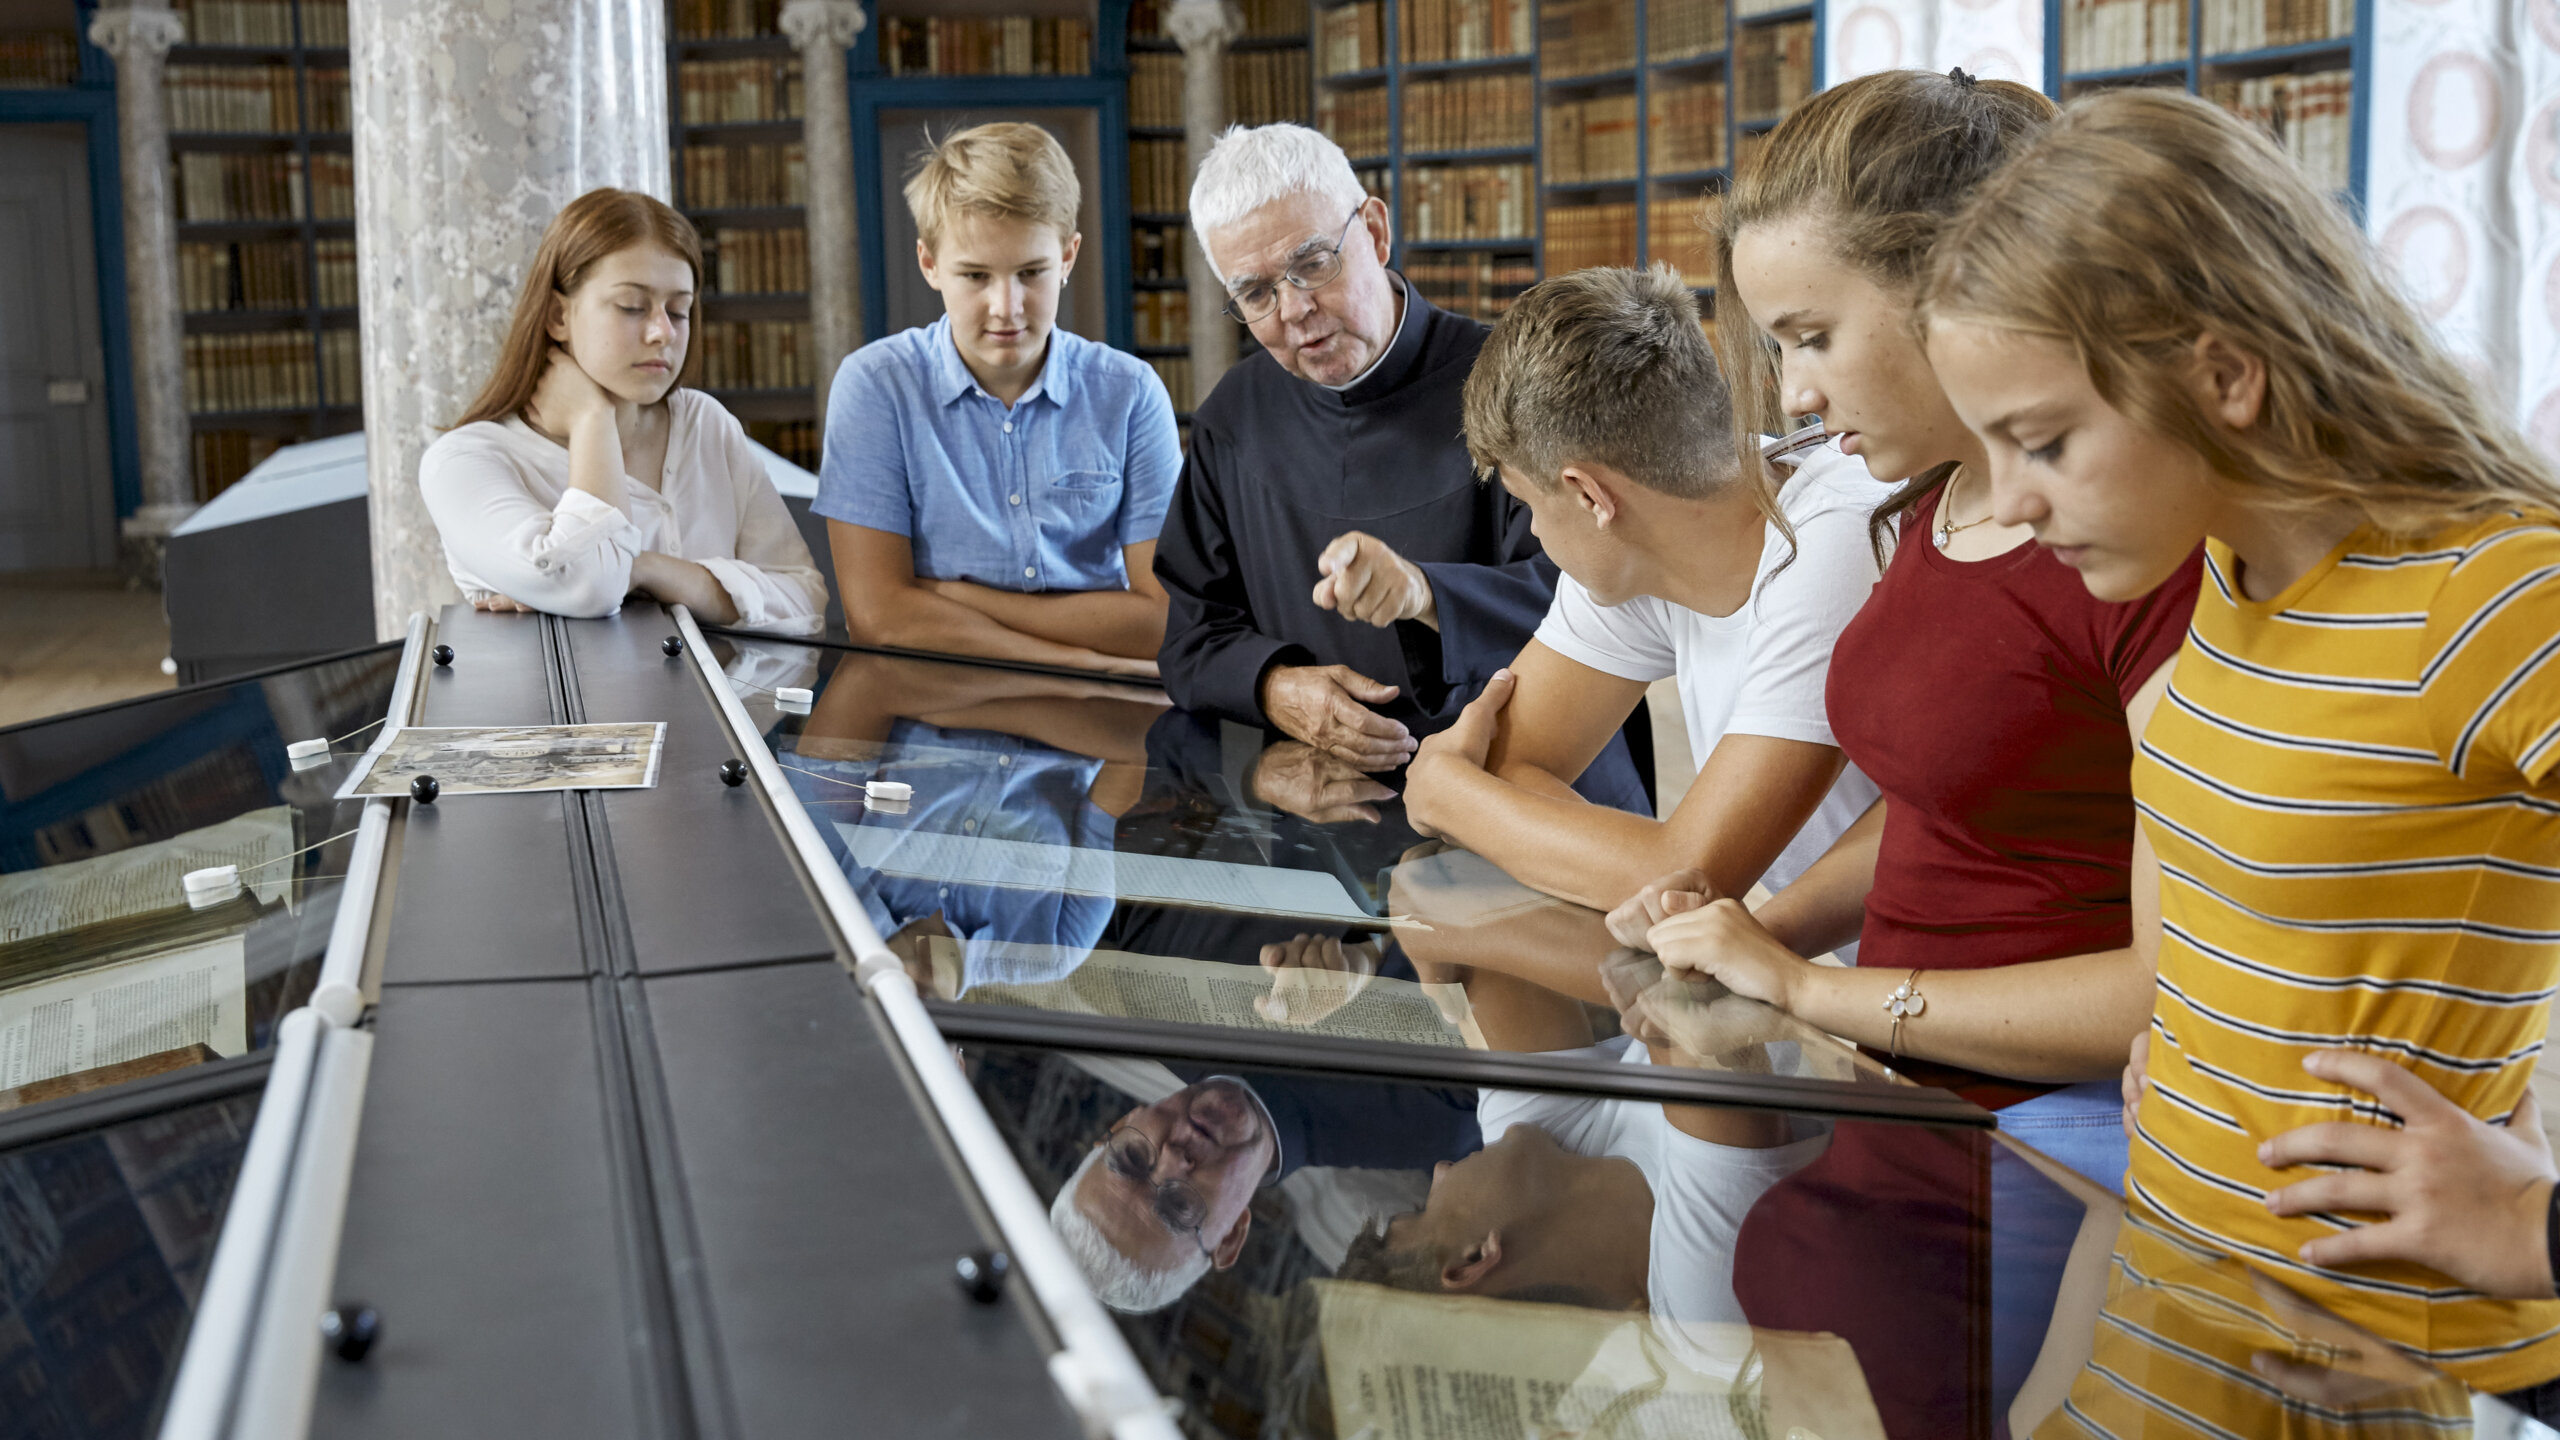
(169, 881)
(1355, 1136)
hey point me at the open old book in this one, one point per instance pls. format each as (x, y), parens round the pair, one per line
(1408, 1366)
(1130, 986)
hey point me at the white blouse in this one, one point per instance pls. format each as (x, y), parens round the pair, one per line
(513, 525)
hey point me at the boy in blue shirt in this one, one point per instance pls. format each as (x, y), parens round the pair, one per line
(992, 484)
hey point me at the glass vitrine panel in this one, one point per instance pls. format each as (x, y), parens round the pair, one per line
(109, 970)
(111, 976)
(1367, 1257)
(1079, 848)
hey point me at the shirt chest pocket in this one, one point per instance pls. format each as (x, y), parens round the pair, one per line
(1078, 513)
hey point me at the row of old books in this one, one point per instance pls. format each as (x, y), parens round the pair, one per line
(1005, 45)
(1773, 70)
(1436, 30)
(1468, 202)
(738, 92)
(1684, 123)
(729, 177)
(753, 354)
(1159, 177)
(1263, 86)
(1160, 319)
(38, 59)
(1351, 37)
(1581, 236)
(1585, 37)
(264, 274)
(1159, 252)
(2312, 116)
(1175, 372)
(263, 22)
(1591, 139)
(2116, 34)
(1356, 118)
(760, 262)
(2234, 25)
(233, 187)
(1680, 232)
(223, 456)
(1467, 112)
(1679, 29)
(271, 370)
(1475, 283)
(254, 99)
(724, 19)
(1263, 19)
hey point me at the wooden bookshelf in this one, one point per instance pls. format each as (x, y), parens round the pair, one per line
(740, 174)
(2302, 68)
(1596, 132)
(265, 193)
(1269, 78)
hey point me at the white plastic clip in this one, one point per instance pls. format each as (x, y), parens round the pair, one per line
(306, 754)
(212, 886)
(793, 699)
(895, 791)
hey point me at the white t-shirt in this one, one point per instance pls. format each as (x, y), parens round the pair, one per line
(1759, 670)
(1701, 1190)
(513, 526)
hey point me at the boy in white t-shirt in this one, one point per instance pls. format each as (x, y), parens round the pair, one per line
(1598, 403)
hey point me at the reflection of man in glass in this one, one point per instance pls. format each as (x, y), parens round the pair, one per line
(1166, 1196)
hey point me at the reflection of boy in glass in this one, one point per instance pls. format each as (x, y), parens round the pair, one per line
(992, 755)
(1614, 1204)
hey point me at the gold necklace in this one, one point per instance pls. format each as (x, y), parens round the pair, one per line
(1945, 533)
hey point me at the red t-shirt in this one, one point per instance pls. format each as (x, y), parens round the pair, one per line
(1986, 700)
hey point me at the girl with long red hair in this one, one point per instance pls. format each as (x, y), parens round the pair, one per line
(586, 472)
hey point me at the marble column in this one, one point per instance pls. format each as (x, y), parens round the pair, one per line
(475, 121)
(822, 29)
(1204, 28)
(139, 35)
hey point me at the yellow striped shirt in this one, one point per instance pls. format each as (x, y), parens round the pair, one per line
(2351, 791)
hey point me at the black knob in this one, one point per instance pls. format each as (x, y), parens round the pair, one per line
(673, 645)
(442, 655)
(350, 1330)
(733, 772)
(423, 789)
(981, 1274)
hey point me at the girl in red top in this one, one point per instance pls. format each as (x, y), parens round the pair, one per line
(1999, 888)
(2005, 908)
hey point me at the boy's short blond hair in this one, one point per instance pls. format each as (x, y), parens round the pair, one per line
(1009, 168)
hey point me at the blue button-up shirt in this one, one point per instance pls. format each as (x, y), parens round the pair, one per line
(1041, 496)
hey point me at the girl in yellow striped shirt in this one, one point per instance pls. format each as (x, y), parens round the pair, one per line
(2162, 331)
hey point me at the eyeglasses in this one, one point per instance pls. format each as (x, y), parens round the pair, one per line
(1130, 1155)
(1311, 271)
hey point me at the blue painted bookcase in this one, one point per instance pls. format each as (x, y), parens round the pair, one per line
(2209, 47)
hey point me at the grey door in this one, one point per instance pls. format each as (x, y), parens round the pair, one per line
(57, 495)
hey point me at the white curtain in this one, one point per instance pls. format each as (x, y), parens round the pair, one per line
(1991, 39)
(2462, 181)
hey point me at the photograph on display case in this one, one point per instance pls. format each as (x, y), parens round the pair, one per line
(511, 759)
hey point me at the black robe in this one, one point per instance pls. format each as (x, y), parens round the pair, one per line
(1279, 467)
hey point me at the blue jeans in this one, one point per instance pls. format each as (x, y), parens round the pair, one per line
(2034, 1221)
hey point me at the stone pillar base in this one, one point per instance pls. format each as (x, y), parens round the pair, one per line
(142, 539)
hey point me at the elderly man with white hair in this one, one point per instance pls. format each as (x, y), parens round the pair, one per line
(1335, 568)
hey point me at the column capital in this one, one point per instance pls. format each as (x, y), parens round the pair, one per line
(816, 24)
(129, 33)
(1203, 24)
